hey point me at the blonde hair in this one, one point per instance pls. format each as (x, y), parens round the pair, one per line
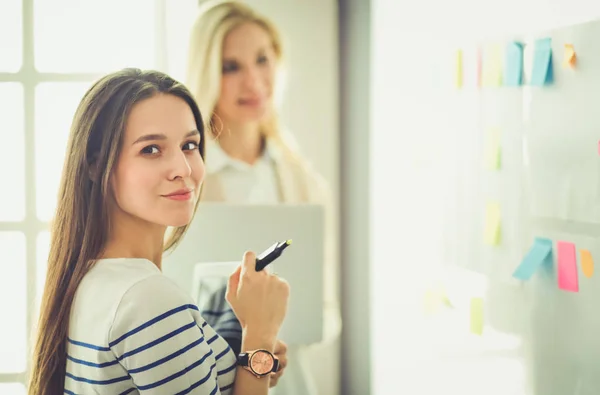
(204, 66)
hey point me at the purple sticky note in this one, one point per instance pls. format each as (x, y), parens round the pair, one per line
(567, 266)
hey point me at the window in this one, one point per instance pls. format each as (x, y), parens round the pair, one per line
(52, 51)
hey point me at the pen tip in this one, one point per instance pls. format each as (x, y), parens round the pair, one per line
(288, 242)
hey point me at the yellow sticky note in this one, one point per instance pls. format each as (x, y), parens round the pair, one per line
(458, 69)
(493, 149)
(570, 57)
(587, 263)
(492, 66)
(430, 302)
(435, 297)
(492, 224)
(477, 316)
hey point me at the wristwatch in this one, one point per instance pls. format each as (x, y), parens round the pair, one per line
(260, 363)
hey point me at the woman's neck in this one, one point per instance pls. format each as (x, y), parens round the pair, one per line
(131, 237)
(244, 142)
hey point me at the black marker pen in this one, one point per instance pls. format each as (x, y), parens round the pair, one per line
(271, 254)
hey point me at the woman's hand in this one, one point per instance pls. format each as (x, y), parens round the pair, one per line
(258, 299)
(281, 353)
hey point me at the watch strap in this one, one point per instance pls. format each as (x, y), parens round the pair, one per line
(243, 359)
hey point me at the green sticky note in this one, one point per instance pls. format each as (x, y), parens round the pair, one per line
(492, 66)
(492, 224)
(458, 82)
(477, 316)
(493, 149)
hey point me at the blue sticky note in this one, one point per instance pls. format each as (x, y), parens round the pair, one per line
(540, 254)
(542, 73)
(513, 69)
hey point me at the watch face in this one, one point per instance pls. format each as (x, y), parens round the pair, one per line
(262, 362)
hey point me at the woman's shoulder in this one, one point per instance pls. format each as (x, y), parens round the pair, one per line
(130, 284)
(153, 299)
(154, 293)
(128, 290)
(115, 276)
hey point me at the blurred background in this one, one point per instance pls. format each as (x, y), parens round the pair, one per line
(367, 98)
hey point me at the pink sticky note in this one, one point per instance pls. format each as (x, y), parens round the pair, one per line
(567, 266)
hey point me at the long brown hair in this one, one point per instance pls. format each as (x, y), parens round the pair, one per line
(80, 228)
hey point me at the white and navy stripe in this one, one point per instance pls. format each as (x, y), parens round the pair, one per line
(156, 342)
(221, 317)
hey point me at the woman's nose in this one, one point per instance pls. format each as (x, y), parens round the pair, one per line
(252, 78)
(179, 166)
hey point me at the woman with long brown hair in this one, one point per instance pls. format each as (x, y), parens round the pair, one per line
(110, 321)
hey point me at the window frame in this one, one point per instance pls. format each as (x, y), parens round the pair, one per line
(31, 226)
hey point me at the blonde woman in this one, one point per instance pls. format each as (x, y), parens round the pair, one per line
(235, 56)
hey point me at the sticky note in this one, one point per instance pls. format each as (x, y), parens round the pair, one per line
(430, 302)
(492, 224)
(513, 68)
(587, 263)
(492, 66)
(493, 149)
(458, 65)
(479, 66)
(435, 298)
(570, 57)
(539, 254)
(567, 266)
(542, 73)
(477, 316)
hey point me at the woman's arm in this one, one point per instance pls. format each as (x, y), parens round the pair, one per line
(259, 300)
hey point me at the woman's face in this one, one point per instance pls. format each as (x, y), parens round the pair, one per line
(159, 170)
(248, 75)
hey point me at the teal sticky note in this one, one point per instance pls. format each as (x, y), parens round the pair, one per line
(513, 68)
(542, 73)
(540, 254)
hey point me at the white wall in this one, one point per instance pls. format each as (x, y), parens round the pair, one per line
(411, 182)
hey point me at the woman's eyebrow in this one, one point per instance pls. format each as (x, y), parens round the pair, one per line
(158, 136)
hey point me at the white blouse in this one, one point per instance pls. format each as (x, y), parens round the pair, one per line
(242, 182)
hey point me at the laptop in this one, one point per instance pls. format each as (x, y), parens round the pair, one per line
(220, 234)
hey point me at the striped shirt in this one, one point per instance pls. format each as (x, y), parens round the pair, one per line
(221, 317)
(133, 331)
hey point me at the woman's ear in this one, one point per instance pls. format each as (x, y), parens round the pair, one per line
(93, 170)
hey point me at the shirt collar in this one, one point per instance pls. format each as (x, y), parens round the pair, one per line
(217, 159)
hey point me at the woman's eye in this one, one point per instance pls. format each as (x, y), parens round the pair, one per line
(262, 59)
(150, 150)
(230, 67)
(190, 146)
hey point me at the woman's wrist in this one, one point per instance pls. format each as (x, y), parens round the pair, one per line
(253, 340)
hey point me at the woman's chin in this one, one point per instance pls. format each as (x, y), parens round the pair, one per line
(256, 114)
(175, 221)
(180, 222)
